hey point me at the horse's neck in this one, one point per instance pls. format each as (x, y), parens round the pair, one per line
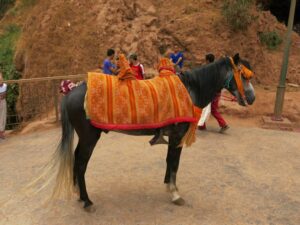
(203, 89)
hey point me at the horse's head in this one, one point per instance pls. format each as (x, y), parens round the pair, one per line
(238, 81)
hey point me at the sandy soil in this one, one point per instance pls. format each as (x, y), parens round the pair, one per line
(247, 176)
(263, 106)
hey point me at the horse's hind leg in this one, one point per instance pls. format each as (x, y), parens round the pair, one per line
(173, 159)
(75, 168)
(88, 142)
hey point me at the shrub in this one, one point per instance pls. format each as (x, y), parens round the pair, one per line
(27, 3)
(4, 5)
(12, 9)
(271, 39)
(237, 13)
(7, 46)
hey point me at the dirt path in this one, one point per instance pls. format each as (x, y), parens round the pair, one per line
(248, 176)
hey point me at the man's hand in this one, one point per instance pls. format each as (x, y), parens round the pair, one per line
(178, 61)
(114, 70)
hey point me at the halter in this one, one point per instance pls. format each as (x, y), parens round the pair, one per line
(227, 82)
(237, 74)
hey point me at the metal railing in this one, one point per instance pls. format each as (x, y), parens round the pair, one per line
(38, 98)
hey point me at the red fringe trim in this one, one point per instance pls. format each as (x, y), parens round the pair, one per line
(143, 126)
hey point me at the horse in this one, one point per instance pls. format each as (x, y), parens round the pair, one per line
(202, 84)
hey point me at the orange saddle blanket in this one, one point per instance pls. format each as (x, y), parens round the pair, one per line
(115, 104)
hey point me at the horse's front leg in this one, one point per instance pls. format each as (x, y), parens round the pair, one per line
(173, 159)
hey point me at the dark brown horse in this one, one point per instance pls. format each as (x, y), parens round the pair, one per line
(202, 83)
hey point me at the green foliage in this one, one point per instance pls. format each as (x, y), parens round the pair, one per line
(18, 8)
(4, 5)
(271, 39)
(237, 13)
(8, 40)
(27, 3)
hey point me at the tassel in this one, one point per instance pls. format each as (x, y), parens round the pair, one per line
(190, 136)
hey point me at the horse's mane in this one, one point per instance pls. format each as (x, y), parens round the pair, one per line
(246, 63)
(205, 81)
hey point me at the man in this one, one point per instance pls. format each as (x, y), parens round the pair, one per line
(210, 58)
(108, 66)
(3, 89)
(177, 59)
(137, 67)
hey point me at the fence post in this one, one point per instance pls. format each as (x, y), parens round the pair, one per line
(55, 96)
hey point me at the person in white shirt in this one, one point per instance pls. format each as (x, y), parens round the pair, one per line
(3, 110)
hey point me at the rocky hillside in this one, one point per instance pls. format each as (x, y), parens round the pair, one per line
(70, 37)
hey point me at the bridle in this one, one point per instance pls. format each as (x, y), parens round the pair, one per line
(239, 72)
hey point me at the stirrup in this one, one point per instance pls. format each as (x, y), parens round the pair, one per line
(158, 138)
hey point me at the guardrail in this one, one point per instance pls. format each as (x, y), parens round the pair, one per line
(38, 98)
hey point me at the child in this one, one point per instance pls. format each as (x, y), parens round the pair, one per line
(177, 59)
(137, 67)
(108, 67)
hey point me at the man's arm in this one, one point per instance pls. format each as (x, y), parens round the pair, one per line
(112, 67)
(179, 60)
(3, 95)
(142, 70)
(113, 70)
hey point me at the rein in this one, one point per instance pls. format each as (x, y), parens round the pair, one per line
(228, 98)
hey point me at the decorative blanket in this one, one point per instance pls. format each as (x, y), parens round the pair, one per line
(115, 104)
(124, 103)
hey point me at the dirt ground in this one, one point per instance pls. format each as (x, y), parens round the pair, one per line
(264, 106)
(247, 176)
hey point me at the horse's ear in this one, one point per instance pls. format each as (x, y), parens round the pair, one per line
(236, 58)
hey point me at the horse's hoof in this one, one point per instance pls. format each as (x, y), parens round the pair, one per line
(179, 201)
(168, 188)
(90, 208)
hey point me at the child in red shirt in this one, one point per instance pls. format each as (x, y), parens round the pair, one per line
(137, 67)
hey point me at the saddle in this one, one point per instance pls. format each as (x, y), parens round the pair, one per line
(124, 103)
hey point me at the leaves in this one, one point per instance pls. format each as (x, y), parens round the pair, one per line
(4, 5)
(237, 13)
(271, 39)
(7, 46)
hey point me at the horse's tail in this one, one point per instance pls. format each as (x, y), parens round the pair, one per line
(64, 155)
(61, 163)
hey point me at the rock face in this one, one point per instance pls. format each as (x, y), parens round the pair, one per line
(72, 36)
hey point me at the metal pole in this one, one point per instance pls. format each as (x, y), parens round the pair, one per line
(281, 87)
